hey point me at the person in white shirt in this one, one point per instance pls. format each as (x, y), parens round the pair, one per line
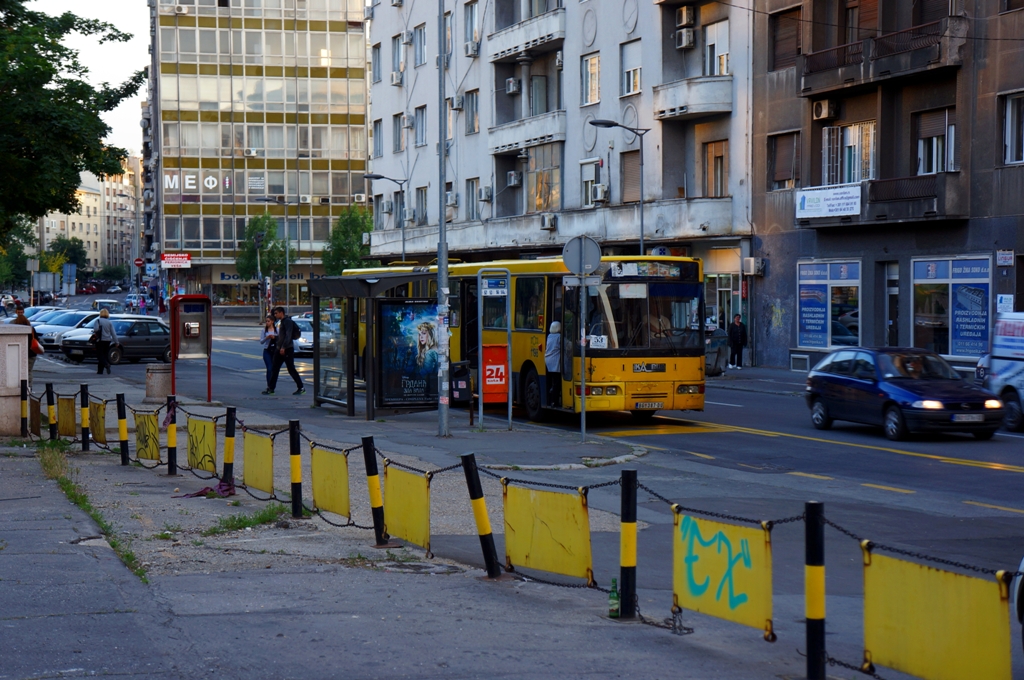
(553, 362)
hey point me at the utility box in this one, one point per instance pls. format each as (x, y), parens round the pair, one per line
(191, 327)
(495, 381)
(462, 383)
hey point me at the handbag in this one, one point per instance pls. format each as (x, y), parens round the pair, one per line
(36, 347)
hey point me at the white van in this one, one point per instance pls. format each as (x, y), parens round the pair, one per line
(1005, 371)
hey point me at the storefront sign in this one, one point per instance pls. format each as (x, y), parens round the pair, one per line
(813, 315)
(1004, 258)
(828, 201)
(408, 352)
(970, 319)
(952, 305)
(176, 261)
(1004, 303)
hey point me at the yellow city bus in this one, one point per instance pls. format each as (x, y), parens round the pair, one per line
(645, 331)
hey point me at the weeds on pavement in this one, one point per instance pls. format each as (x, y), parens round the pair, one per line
(265, 515)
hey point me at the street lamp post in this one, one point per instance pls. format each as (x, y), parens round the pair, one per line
(640, 132)
(287, 247)
(401, 187)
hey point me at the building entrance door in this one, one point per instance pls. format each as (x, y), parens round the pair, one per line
(892, 304)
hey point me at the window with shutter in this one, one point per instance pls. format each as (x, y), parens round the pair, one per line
(630, 161)
(1014, 4)
(786, 39)
(785, 162)
(931, 10)
(830, 156)
(936, 133)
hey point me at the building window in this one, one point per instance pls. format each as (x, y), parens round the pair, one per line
(538, 95)
(419, 45)
(936, 139)
(470, 18)
(378, 138)
(447, 38)
(589, 170)
(785, 39)
(544, 178)
(952, 306)
(397, 54)
(378, 211)
(471, 106)
(375, 62)
(630, 59)
(472, 207)
(397, 133)
(1014, 135)
(716, 49)
(420, 125)
(590, 67)
(421, 205)
(848, 153)
(1013, 4)
(630, 165)
(784, 161)
(398, 205)
(716, 169)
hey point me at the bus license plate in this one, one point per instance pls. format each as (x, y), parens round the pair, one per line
(650, 404)
(968, 418)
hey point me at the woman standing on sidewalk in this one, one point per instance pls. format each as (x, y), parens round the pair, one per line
(268, 338)
(105, 337)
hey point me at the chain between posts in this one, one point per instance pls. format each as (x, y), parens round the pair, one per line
(673, 623)
(320, 514)
(549, 485)
(575, 586)
(867, 669)
(871, 545)
(429, 473)
(720, 515)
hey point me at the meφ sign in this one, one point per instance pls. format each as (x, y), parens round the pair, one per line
(175, 261)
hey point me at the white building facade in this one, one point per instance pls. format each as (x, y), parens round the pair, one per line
(526, 171)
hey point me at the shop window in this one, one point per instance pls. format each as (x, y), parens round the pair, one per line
(784, 161)
(936, 135)
(951, 306)
(530, 304)
(828, 309)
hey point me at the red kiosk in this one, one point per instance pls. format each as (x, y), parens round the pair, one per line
(192, 335)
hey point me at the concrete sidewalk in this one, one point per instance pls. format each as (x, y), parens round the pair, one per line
(761, 379)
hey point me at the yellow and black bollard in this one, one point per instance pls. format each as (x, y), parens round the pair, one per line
(627, 546)
(295, 457)
(376, 502)
(51, 411)
(172, 436)
(229, 447)
(84, 391)
(24, 408)
(814, 588)
(122, 427)
(483, 520)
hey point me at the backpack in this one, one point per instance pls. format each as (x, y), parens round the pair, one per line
(296, 331)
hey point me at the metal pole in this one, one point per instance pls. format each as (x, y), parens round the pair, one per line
(483, 520)
(480, 346)
(642, 192)
(627, 546)
(295, 451)
(442, 228)
(508, 350)
(583, 350)
(228, 476)
(24, 408)
(814, 588)
(288, 247)
(172, 436)
(122, 428)
(85, 416)
(376, 501)
(51, 411)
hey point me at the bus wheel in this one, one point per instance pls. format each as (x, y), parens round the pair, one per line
(532, 396)
(643, 416)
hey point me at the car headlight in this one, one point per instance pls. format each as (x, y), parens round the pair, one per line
(929, 404)
(993, 403)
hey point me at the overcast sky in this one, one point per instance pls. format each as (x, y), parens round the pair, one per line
(112, 62)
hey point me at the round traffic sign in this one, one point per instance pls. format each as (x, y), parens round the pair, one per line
(139, 262)
(582, 255)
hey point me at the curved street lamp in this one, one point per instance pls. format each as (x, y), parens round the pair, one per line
(640, 132)
(401, 187)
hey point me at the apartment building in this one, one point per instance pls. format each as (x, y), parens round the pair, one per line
(118, 220)
(254, 107)
(526, 170)
(85, 225)
(888, 175)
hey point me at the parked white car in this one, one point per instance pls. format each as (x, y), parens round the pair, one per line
(1004, 374)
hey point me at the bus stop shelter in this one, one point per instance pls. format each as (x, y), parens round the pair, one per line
(328, 381)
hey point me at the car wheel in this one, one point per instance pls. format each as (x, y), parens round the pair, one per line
(984, 435)
(531, 396)
(115, 355)
(1014, 420)
(643, 417)
(819, 415)
(895, 427)
(166, 358)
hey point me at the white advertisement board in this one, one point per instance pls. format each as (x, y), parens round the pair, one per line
(832, 201)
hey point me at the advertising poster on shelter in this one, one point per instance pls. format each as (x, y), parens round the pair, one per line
(409, 352)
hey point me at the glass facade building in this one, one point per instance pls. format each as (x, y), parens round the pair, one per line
(260, 106)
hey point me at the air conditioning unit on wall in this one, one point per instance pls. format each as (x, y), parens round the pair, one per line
(180, 9)
(396, 77)
(472, 49)
(684, 39)
(825, 109)
(753, 266)
(599, 193)
(511, 86)
(359, 198)
(484, 194)
(513, 179)
(387, 207)
(549, 221)
(685, 16)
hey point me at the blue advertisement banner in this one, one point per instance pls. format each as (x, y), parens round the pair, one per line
(814, 271)
(844, 271)
(813, 315)
(408, 356)
(931, 269)
(971, 269)
(969, 332)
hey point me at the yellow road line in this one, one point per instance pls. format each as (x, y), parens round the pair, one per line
(700, 455)
(995, 507)
(808, 474)
(888, 488)
(913, 454)
(665, 429)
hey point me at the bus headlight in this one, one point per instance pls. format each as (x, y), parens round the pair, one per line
(689, 389)
(611, 391)
(597, 391)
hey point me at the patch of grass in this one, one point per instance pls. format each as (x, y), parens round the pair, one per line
(172, 528)
(162, 536)
(235, 504)
(265, 515)
(54, 462)
(133, 493)
(197, 543)
(403, 557)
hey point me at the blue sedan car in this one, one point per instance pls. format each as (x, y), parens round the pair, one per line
(903, 390)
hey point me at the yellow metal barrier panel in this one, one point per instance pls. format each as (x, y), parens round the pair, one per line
(35, 417)
(258, 466)
(98, 421)
(66, 408)
(202, 444)
(723, 570)
(548, 531)
(933, 623)
(330, 481)
(147, 436)
(407, 506)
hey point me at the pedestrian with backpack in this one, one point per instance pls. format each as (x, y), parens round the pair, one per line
(287, 333)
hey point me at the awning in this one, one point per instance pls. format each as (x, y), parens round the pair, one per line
(363, 285)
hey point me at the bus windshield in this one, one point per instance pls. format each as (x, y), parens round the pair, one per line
(644, 315)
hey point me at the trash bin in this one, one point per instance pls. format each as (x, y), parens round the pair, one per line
(158, 383)
(462, 383)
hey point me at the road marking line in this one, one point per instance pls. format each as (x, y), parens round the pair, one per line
(888, 488)
(663, 429)
(808, 474)
(722, 403)
(241, 354)
(995, 507)
(700, 455)
(1007, 434)
(913, 454)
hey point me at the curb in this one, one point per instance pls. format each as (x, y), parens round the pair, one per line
(638, 452)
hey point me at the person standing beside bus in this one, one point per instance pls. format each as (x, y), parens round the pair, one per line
(553, 363)
(737, 341)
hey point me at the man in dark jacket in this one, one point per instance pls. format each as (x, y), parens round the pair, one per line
(287, 333)
(737, 341)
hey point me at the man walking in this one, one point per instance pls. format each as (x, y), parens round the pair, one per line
(287, 332)
(105, 337)
(737, 341)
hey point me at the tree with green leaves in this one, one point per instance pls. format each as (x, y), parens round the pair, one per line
(345, 249)
(271, 249)
(50, 124)
(14, 270)
(73, 249)
(114, 272)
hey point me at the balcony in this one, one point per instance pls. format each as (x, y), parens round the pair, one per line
(922, 198)
(542, 33)
(913, 50)
(693, 98)
(519, 134)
